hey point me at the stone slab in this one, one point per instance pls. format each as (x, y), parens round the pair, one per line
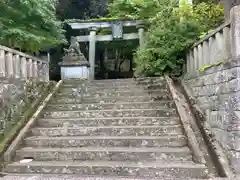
(108, 121)
(78, 95)
(113, 168)
(108, 131)
(106, 141)
(113, 113)
(103, 100)
(115, 84)
(77, 92)
(75, 177)
(105, 154)
(101, 106)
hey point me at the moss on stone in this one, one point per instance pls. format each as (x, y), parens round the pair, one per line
(204, 68)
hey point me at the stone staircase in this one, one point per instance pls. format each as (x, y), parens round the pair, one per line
(121, 128)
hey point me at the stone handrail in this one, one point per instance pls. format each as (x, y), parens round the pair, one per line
(15, 64)
(215, 47)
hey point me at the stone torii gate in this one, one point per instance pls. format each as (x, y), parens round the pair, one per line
(117, 33)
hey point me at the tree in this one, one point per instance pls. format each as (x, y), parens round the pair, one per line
(81, 9)
(172, 29)
(30, 25)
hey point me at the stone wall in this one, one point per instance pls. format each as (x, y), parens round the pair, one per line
(217, 91)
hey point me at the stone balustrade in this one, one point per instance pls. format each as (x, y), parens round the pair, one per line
(18, 65)
(23, 78)
(215, 47)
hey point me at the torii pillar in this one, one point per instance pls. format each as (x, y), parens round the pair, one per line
(92, 51)
(141, 34)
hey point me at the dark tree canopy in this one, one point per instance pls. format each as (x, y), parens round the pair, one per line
(81, 9)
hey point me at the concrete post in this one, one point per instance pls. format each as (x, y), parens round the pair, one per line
(92, 51)
(17, 66)
(227, 7)
(211, 50)
(205, 53)
(235, 31)
(200, 56)
(23, 68)
(39, 70)
(9, 64)
(2, 64)
(141, 30)
(35, 72)
(30, 69)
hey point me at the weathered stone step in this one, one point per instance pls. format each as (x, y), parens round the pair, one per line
(60, 99)
(99, 106)
(110, 93)
(117, 81)
(109, 131)
(109, 121)
(107, 141)
(124, 80)
(113, 113)
(112, 168)
(105, 154)
(17, 176)
(113, 96)
(123, 87)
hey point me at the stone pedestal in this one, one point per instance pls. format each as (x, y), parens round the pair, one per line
(74, 70)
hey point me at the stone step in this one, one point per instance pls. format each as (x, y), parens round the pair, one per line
(116, 81)
(15, 176)
(106, 99)
(112, 168)
(113, 96)
(99, 106)
(105, 154)
(109, 121)
(109, 131)
(110, 93)
(107, 141)
(119, 87)
(112, 113)
(130, 80)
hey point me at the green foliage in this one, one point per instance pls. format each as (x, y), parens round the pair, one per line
(172, 30)
(29, 24)
(134, 9)
(170, 34)
(209, 15)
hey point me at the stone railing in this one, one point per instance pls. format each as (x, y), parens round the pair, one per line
(214, 48)
(23, 79)
(18, 65)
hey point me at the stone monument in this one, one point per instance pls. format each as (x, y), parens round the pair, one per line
(74, 64)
